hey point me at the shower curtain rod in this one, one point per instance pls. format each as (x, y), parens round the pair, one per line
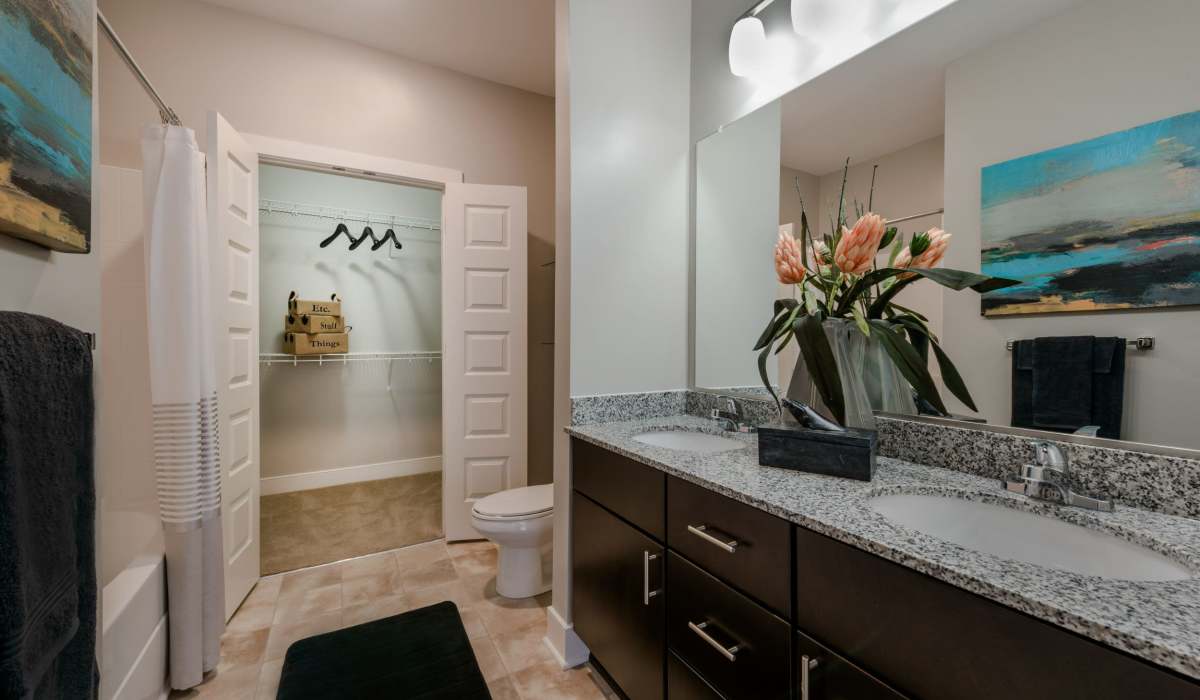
(167, 114)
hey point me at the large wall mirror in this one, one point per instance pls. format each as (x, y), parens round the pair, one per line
(1064, 156)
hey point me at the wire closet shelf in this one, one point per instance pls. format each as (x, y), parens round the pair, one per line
(345, 358)
(320, 211)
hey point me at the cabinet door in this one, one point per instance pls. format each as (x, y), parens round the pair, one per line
(617, 579)
(684, 684)
(823, 675)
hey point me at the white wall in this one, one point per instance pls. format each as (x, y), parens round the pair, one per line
(1106, 66)
(316, 418)
(737, 213)
(629, 73)
(285, 82)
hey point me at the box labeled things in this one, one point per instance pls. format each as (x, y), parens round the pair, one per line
(311, 323)
(314, 307)
(316, 344)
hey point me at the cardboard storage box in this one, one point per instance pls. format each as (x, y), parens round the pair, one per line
(309, 323)
(316, 344)
(314, 307)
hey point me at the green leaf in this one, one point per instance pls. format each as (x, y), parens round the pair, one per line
(777, 321)
(810, 304)
(821, 364)
(783, 344)
(910, 312)
(896, 248)
(888, 236)
(860, 321)
(961, 279)
(909, 362)
(954, 381)
(762, 373)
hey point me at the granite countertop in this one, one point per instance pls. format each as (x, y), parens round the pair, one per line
(1156, 621)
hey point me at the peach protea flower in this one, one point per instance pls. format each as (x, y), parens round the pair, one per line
(789, 263)
(821, 252)
(925, 250)
(857, 247)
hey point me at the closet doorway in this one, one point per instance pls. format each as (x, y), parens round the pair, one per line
(289, 426)
(351, 442)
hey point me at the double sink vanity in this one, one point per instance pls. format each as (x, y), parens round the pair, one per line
(697, 573)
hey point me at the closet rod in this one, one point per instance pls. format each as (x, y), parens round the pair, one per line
(318, 211)
(167, 114)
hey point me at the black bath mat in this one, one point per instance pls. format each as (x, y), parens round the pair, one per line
(419, 654)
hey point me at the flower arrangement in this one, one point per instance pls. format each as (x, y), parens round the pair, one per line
(837, 277)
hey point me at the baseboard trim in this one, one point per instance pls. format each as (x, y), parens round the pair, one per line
(350, 475)
(566, 646)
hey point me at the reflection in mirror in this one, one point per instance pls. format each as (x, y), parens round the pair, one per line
(1092, 208)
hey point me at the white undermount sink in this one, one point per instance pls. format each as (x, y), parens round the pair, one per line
(1027, 537)
(688, 441)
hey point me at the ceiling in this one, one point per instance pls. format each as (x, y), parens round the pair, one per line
(509, 42)
(893, 95)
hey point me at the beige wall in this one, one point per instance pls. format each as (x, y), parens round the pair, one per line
(1106, 66)
(289, 83)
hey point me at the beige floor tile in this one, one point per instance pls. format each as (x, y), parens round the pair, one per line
(252, 616)
(501, 615)
(304, 605)
(298, 582)
(268, 680)
(283, 635)
(376, 609)
(503, 689)
(489, 660)
(369, 565)
(473, 623)
(419, 555)
(233, 684)
(480, 563)
(439, 573)
(243, 648)
(523, 647)
(458, 549)
(547, 680)
(454, 592)
(364, 589)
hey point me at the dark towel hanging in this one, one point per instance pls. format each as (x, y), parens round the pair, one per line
(47, 511)
(1065, 383)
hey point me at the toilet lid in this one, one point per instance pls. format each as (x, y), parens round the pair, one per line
(528, 500)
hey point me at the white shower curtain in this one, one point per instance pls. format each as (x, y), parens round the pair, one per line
(184, 392)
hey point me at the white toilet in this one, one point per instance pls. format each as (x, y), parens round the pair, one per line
(521, 523)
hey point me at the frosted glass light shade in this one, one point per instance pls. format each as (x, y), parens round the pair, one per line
(747, 46)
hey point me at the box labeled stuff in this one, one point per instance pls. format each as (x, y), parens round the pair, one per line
(314, 307)
(311, 323)
(316, 344)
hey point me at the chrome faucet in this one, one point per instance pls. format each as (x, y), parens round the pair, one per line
(731, 417)
(1048, 479)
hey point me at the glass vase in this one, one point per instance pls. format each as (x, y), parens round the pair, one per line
(870, 380)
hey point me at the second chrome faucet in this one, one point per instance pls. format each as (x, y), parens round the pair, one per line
(1049, 479)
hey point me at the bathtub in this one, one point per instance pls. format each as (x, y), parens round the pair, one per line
(133, 642)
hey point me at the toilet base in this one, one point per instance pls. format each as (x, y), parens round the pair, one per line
(520, 573)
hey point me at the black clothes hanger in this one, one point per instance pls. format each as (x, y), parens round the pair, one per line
(341, 228)
(366, 233)
(387, 235)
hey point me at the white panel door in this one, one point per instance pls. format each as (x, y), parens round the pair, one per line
(233, 221)
(484, 348)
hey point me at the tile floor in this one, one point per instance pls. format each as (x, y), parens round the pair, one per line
(318, 526)
(506, 634)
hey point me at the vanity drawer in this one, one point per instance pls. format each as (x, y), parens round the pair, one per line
(737, 543)
(632, 490)
(938, 642)
(684, 684)
(739, 647)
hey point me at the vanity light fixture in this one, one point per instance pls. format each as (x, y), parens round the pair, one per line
(748, 48)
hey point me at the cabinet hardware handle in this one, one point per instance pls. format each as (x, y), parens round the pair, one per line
(647, 594)
(806, 667)
(728, 652)
(702, 531)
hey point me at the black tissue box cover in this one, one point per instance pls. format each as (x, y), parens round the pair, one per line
(850, 454)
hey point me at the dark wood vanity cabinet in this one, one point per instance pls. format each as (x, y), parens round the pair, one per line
(685, 593)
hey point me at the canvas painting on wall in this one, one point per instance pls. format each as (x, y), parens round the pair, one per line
(46, 121)
(1108, 223)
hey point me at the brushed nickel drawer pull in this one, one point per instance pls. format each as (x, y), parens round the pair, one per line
(728, 652)
(647, 594)
(806, 666)
(702, 531)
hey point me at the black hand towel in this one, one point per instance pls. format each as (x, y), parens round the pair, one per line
(47, 511)
(1062, 382)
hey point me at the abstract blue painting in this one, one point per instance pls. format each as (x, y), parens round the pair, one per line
(1108, 223)
(46, 121)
